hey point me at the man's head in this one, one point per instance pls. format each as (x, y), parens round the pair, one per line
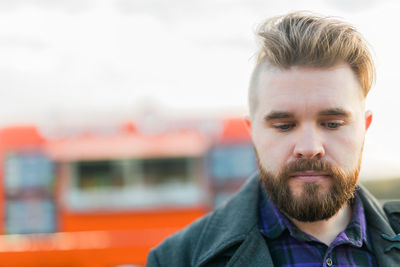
(307, 112)
(307, 40)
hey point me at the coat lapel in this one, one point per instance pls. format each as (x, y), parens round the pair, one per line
(379, 228)
(252, 252)
(236, 225)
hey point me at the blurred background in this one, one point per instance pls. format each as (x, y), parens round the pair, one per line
(122, 121)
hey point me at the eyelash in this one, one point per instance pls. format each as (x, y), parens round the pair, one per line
(284, 127)
(338, 124)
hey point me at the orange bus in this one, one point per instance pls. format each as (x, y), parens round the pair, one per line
(97, 200)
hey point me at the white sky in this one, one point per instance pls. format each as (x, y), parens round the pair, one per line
(67, 59)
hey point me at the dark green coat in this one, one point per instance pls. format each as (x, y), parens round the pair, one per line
(229, 236)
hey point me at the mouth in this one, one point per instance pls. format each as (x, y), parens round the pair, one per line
(309, 176)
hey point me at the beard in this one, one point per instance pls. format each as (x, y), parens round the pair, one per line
(311, 204)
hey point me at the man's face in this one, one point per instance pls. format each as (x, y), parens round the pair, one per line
(308, 131)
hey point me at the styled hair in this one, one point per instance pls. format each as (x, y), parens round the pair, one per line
(305, 39)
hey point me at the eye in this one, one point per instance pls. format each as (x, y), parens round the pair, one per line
(283, 127)
(332, 124)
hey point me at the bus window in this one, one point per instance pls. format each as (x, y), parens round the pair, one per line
(134, 184)
(235, 161)
(29, 193)
(95, 175)
(230, 165)
(167, 171)
(26, 216)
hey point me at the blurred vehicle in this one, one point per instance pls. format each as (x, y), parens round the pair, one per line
(98, 199)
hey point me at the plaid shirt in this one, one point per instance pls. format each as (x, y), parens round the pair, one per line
(289, 246)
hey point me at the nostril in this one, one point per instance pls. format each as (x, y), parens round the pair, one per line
(316, 152)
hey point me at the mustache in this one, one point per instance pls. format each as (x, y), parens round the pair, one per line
(301, 165)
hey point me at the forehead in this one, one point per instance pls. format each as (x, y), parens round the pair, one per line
(309, 89)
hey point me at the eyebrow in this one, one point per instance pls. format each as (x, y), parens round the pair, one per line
(334, 112)
(274, 115)
(278, 115)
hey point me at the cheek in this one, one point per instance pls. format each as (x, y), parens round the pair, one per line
(346, 150)
(272, 152)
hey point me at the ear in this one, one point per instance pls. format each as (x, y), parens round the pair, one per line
(368, 119)
(247, 121)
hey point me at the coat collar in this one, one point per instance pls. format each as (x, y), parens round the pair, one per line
(379, 227)
(235, 225)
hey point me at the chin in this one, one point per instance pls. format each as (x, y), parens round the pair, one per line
(298, 191)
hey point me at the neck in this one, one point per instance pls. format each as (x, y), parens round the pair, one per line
(326, 230)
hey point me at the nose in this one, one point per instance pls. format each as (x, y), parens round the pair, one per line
(308, 144)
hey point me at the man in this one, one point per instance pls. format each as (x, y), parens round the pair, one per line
(308, 123)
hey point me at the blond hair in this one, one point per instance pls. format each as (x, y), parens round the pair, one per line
(309, 40)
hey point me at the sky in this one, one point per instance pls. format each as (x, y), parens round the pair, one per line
(88, 61)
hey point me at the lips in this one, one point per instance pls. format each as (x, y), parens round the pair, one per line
(309, 176)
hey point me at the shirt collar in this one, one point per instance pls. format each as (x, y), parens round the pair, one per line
(272, 223)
